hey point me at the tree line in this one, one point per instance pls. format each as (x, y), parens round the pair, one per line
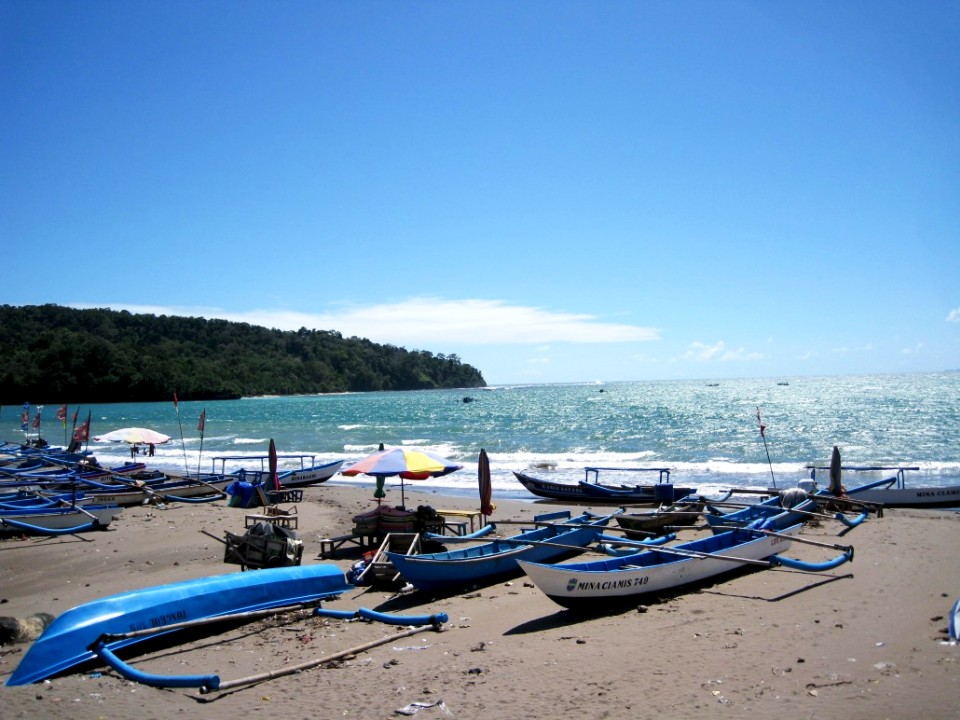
(54, 354)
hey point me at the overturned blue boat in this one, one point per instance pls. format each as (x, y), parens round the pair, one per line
(78, 635)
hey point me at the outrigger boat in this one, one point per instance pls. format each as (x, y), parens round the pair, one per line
(498, 558)
(50, 520)
(683, 513)
(780, 511)
(590, 490)
(893, 491)
(309, 472)
(595, 585)
(83, 633)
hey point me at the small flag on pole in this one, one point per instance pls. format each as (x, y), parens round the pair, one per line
(82, 433)
(203, 421)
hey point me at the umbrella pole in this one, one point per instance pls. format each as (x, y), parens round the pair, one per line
(183, 445)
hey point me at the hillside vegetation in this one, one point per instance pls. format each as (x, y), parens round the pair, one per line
(56, 354)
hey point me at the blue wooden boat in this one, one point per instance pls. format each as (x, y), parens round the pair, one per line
(598, 584)
(497, 558)
(774, 513)
(66, 643)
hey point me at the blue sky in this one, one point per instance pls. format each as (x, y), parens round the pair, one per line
(554, 191)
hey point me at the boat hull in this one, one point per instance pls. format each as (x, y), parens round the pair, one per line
(498, 558)
(639, 525)
(776, 517)
(913, 497)
(592, 493)
(137, 495)
(598, 584)
(65, 642)
(58, 519)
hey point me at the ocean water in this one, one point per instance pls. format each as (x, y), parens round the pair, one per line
(705, 431)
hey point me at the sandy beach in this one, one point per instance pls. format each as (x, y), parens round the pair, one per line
(867, 640)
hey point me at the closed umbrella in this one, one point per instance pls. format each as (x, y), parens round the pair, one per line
(274, 478)
(405, 463)
(836, 486)
(486, 486)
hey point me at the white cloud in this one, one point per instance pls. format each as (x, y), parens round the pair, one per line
(954, 316)
(740, 354)
(701, 352)
(424, 321)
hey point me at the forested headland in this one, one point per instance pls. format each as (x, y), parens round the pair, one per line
(53, 354)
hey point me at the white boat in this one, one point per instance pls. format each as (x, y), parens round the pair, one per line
(309, 473)
(59, 521)
(893, 491)
(597, 584)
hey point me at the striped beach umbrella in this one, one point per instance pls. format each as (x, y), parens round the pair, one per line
(405, 463)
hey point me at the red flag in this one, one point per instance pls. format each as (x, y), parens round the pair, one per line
(203, 421)
(36, 421)
(82, 433)
(762, 426)
(176, 405)
(62, 414)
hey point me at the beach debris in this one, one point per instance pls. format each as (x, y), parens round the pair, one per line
(415, 707)
(26, 629)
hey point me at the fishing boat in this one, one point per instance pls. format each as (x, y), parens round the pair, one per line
(683, 513)
(67, 642)
(57, 520)
(893, 491)
(564, 535)
(309, 472)
(166, 488)
(778, 512)
(598, 584)
(590, 490)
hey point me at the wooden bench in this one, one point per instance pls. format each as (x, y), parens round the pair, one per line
(455, 527)
(330, 545)
(469, 514)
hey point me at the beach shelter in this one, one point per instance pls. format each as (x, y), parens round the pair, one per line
(405, 463)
